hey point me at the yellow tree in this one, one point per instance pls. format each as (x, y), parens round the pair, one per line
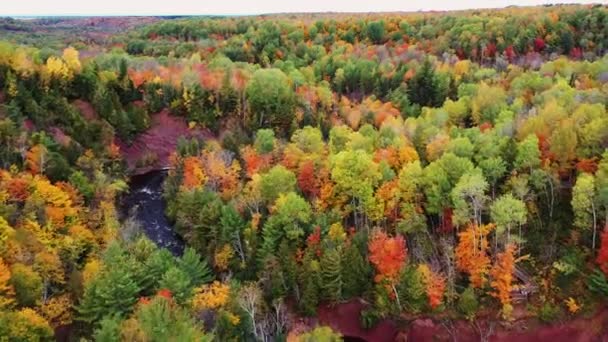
(37, 158)
(211, 296)
(58, 310)
(7, 292)
(71, 59)
(55, 69)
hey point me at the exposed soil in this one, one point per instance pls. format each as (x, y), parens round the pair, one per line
(345, 318)
(86, 109)
(151, 149)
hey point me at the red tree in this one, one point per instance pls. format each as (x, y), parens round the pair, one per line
(602, 255)
(510, 53)
(539, 44)
(307, 180)
(387, 254)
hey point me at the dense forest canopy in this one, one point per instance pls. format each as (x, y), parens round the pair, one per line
(452, 165)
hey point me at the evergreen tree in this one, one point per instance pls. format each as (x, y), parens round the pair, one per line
(232, 226)
(158, 264)
(196, 268)
(179, 283)
(424, 87)
(289, 267)
(331, 275)
(114, 291)
(356, 272)
(411, 290)
(109, 330)
(309, 280)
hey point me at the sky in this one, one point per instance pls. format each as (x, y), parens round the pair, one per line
(244, 7)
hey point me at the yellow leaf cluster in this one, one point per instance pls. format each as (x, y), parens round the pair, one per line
(58, 310)
(56, 68)
(336, 232)
(6, 231)
(28, 324)
(222, 257)
(572, 305)
(233, 319)
(58, 202)
(91, 270)
(212, 296)
(72, 60)
(7, 293)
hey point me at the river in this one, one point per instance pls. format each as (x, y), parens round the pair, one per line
(146, 201)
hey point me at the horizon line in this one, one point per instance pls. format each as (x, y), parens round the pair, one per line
(421, 10)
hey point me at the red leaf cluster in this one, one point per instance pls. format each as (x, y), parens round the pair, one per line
(602, 255)
(387, 254)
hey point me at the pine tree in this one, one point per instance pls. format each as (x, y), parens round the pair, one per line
(159, 262)
(331, 275)
(179, 283)
(356, 272)
(109, 330)
(411, 290)
(309, 280)
(424, 88)
(114, 291)
(289, 268)
(196, 268)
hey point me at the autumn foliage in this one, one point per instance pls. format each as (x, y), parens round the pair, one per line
(387, 254)
(193, 173)
(602, 254)
(472, 253)
(434, 284)
(502, 277)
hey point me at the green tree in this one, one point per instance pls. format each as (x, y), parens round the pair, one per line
(468, 304)
(356, 272)
(601, 178)
(528, 154)
(161, 321)
(232, 227)
(356, 174)
(469, 197)
(411, 290)
(275, 182)
(376, 31)
(310, 280)
(331, 275)
(424, 88)
(584, 204)
(109, 329)
(271, 100)
(290, 220)
(179, 283)
(320, 334)
(191, 264)
(507, 212)
(264, 141)
(113, 291)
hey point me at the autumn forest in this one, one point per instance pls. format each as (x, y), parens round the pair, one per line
(321, 177)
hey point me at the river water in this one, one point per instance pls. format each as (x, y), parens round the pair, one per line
(146, 202)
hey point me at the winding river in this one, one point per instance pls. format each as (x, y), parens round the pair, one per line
(146, 202)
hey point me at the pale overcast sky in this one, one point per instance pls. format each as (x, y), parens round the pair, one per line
(223, 7)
